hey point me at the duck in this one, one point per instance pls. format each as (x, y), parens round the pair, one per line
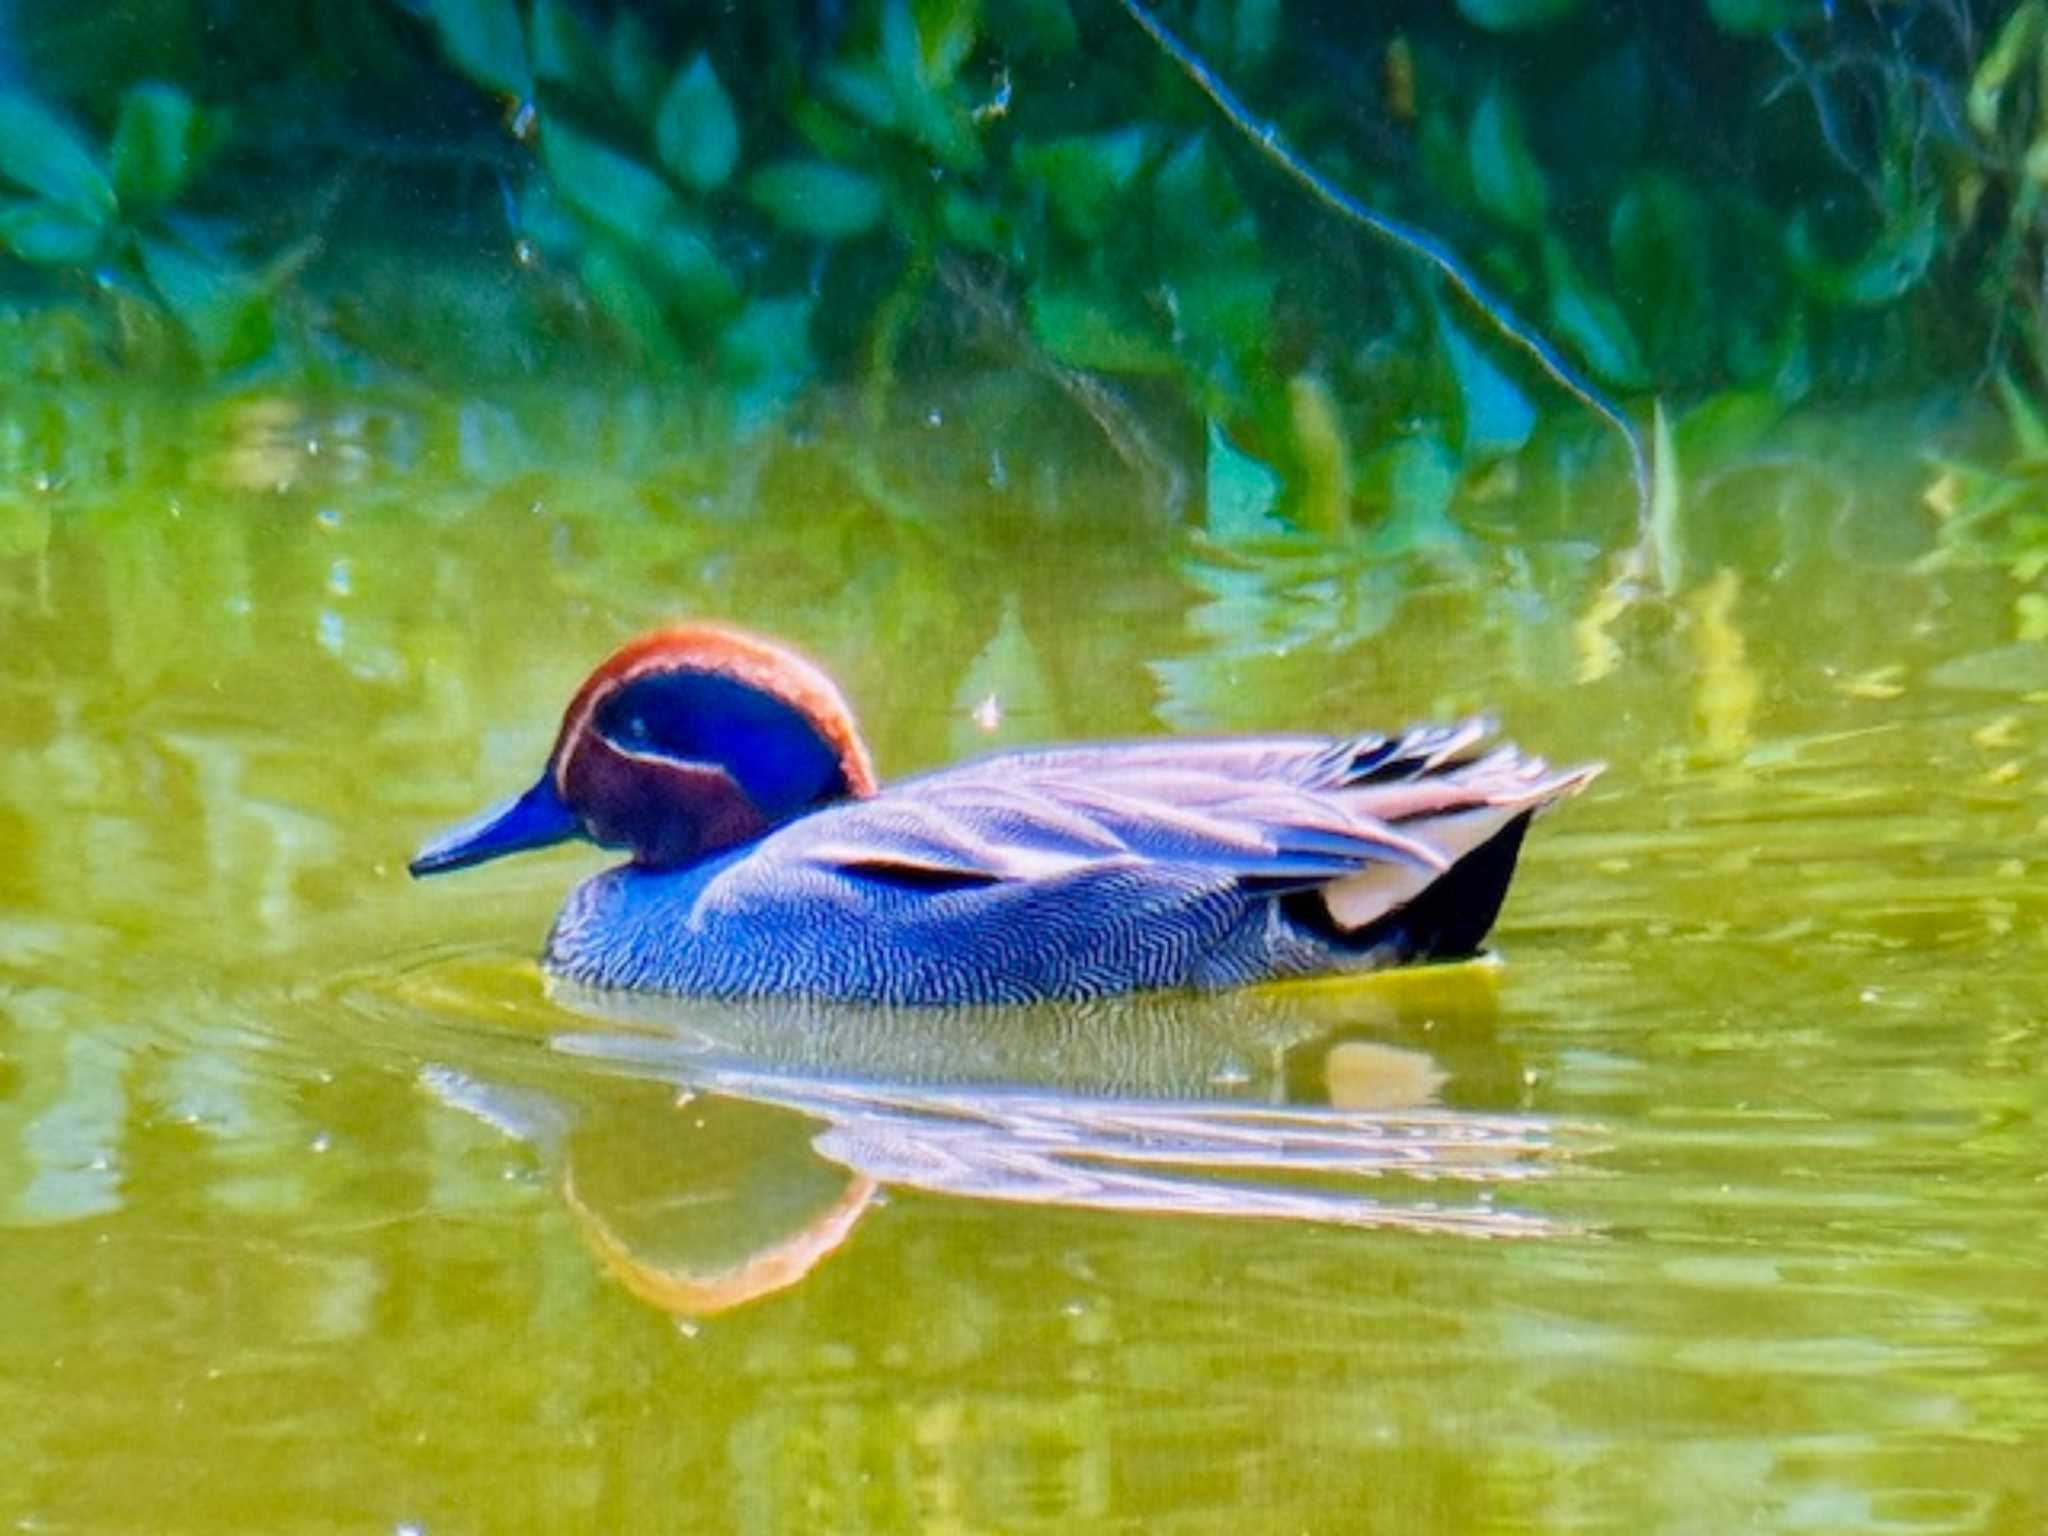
(766, 859)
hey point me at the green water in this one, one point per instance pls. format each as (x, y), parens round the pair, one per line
(1721, 1204)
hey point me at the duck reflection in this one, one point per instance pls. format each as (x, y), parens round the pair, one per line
(736, 1146)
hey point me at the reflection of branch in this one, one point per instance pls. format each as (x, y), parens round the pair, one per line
(1266, 139)
(773, 1268)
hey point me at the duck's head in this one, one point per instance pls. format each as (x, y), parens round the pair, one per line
(681, 743)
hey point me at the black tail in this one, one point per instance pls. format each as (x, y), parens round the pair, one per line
(1447, 921)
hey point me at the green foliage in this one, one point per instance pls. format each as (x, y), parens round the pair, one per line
(83, 215)
(41, 154)
(1748, 199)
(811, 198)
(694, 129)
(486, 41)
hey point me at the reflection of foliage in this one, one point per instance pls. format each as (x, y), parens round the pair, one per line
(1762, 195)
(2000, 513)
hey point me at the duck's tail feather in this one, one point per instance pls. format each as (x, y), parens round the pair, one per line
(1470, 808)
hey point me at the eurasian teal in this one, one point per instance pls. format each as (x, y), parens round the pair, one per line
(767, 861)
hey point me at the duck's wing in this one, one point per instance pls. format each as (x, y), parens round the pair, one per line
(1372, 821)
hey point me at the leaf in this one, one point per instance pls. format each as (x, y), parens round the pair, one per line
(1088, 330)
(226, 313)
(614, 192)
(1753, 18)
(862, 89)
(1505, 175)
(610, 278)
(969, 221)
(1725, 428)
(1590, 321)
(1892, 264)
(40, 153)
(1241, 493)
(564, 50)
(697, 281)
(1255, 32)
(1043, 27)
(1660, 238)
(809, 197)
(153, 146)
(2011, 51)
(925, 106)
(769, 338)
(945, 38)
(1498, 417)
(2023, 416)
(634, 62)
(46, 235)
(1085, 176)
(1516, 15)
(694, 130)
(483, 39)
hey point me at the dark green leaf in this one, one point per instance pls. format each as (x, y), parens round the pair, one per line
(1088, 330)
(694, 129)
(1894, 263)
(808, 197)
(615, 193)
(1227, 306)
(1255, 32)
(635, 64)
(1505, 175)
(1661, 237)
(47, 235)
(1035, 26)
(610, 278)
(1590, 321)
(861, 89)
(484, 40)
(945, 37)
(1240, 492)
(692, 274)
(925, 107)
(1085, 177)
(1725, 428)
(40, 153)
(153, 145)
(1753, 17)
(1516, 15)
(968, 220)
(564, 50)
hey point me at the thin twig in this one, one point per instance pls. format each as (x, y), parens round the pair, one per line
(1265, 137)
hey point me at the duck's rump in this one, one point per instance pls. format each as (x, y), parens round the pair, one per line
(1079, 872)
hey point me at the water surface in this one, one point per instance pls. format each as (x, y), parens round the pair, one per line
(1718, 1204)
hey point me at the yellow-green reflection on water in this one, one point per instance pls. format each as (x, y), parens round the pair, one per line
(317, 1212)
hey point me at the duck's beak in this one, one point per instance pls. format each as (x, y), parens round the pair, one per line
(532, 820)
